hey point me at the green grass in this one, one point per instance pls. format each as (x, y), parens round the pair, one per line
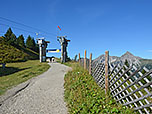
(58, 60)
(16, 73)
(31, 54)
(84, 96)
(70, 63)
(10, 53)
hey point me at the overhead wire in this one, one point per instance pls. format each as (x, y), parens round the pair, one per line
(26, 26)
(23, 29)
(42, 32)
(38, 30)
(16, 28)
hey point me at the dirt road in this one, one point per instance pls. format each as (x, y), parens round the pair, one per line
(41, 95)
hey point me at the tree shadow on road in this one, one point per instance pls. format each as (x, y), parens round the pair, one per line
(10, 70)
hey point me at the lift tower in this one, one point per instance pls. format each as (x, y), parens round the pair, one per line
(64, 43)
(42, 48)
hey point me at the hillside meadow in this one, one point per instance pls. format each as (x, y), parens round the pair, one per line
(16, 73)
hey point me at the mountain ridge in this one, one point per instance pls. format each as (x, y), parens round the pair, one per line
(132, 59)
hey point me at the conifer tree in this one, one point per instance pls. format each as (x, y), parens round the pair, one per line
(8, 34)
(37, 48)
(126, 63)
(20, 41)
(10, 37)
(30, 43)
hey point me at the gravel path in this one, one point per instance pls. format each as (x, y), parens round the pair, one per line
(41, 95)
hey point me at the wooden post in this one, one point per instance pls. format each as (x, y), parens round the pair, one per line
(85, 60)
(90, 62)
(106, 72)
(79, 59)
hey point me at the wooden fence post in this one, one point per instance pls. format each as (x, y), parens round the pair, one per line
(79, 60)
(90, 62)
(85, 60)
(106, 71)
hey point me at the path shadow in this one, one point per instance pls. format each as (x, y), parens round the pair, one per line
(10, 70)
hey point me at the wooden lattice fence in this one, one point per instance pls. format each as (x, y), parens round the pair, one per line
(132, 87)
(128, 84)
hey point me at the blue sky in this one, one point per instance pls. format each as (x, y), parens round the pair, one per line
(94, 25)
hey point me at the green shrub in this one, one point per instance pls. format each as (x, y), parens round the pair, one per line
(84, 96)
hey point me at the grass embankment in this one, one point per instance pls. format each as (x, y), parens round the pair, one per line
(84, 96)
(16, 73)
(10, 54)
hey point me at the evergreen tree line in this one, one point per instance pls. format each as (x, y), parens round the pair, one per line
(11, 39)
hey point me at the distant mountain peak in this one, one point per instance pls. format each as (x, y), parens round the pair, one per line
(130, 58)
(128, 54)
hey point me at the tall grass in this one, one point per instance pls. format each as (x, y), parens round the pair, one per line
(84, 96)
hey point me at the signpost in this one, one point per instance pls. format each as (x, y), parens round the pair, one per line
(53, 50)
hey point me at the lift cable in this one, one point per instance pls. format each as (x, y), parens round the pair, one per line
(23, 29)
(26, 26)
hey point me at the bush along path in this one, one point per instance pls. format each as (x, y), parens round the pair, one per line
(84, 96)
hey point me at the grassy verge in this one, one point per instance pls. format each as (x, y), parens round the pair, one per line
(84, 96)
(58, 60)
(70, 63)
(16, 73)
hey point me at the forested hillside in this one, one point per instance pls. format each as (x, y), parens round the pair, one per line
(13, 49)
